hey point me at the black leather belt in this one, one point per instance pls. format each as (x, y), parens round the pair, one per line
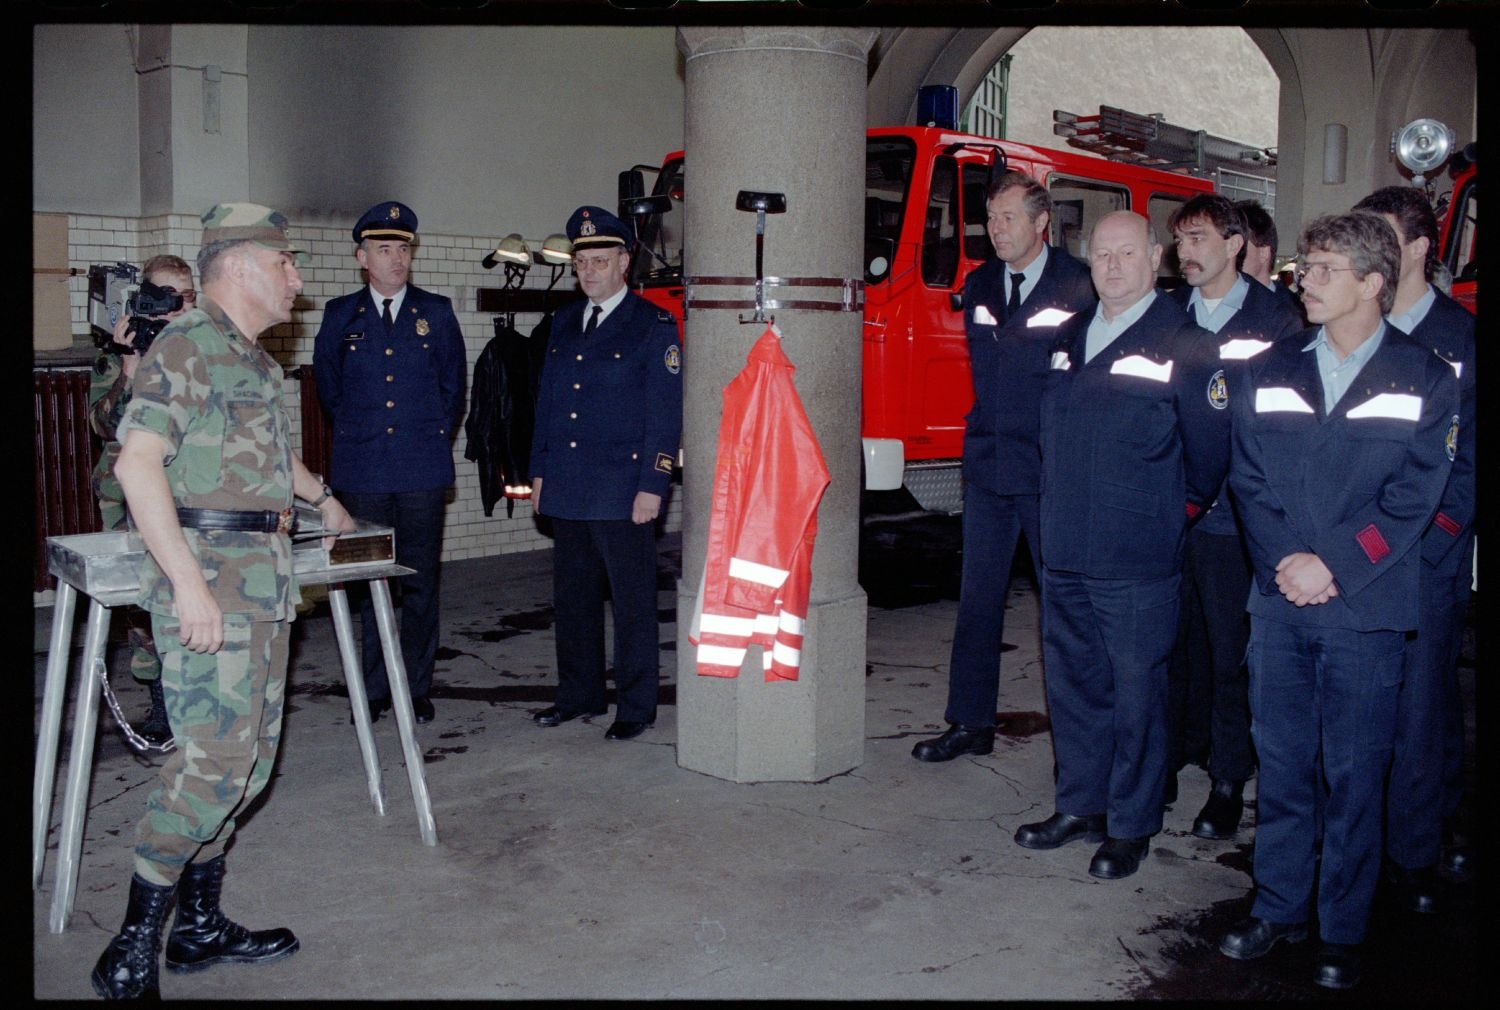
(245, 521)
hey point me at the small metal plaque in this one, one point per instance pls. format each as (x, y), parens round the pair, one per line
(362, 548)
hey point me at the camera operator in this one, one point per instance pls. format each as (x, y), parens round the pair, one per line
(109, 392)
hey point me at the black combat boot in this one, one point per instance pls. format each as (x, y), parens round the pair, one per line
(127, 968)
(155, 729)
(202, 935)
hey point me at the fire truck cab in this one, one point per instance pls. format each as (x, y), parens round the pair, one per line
(924, 230)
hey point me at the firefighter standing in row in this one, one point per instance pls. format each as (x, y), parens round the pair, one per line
(1135, 441)
(1343, 443)
(1426, 777)
(608, 425)
(1208, 691)
(1010, 332)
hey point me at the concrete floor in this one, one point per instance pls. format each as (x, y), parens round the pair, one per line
(572, 867)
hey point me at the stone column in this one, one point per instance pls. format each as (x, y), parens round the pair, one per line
(194, 117)
(779, 109)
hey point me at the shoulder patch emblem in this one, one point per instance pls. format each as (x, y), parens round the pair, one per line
(1451, 441)
(1218, 391)
(673, 359)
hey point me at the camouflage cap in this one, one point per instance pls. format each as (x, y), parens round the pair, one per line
(249, 222)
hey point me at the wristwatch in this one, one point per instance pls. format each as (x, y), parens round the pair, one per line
(320, 499)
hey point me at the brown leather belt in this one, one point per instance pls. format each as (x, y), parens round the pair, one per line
(244, 521)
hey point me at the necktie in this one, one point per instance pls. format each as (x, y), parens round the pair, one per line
(385, 313)
(1013, 307)
(589, 326)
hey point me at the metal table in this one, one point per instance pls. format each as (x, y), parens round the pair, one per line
(104, 567)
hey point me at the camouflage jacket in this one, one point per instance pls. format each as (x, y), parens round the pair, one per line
(109, 392)
(214, 397)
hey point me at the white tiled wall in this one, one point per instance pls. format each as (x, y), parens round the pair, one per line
(446, 264)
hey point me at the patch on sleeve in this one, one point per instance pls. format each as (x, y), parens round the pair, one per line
(1446, 523)
(1372, 543)
(1218, 391)
(1193, 510)
(664, 462)
(673, 359)
(1450, 442)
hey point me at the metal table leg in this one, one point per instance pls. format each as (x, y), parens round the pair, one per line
(80, 768)
(395, 669)
(343, 628)
(47, 739)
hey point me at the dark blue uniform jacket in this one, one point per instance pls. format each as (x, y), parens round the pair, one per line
(1134, 444)
(1448, 328)
(609, 411)
(1265, 317)
(395, 398)
(1008, 361)
(1357, 487)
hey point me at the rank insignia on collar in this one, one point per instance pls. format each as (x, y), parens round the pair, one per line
(1451, 441)
(1218, 391)
(673, 359)
(422, 328)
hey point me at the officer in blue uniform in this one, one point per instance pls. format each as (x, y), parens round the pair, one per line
(1426, 778)
(1343, 443)
(608, 425)
(1260, 254)
(389, 362)
(1208, 689)
(1010, 328)
(1135, 441)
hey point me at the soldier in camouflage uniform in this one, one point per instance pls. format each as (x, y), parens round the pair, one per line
(109, 392)
(208, 471)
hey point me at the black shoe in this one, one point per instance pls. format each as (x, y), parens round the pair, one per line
(1119, 857)
(1220, 817)
(1253, 937)
(377, 706)
(625, 729)
(1339, 966)
(155, 730)
(1416, 889)
(956, 741)
(127, 968)
(1060, 829)
(202, 935)
(422, 709)
(555, 716)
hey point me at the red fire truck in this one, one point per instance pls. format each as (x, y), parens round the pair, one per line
(924, 232)
(1458, 212)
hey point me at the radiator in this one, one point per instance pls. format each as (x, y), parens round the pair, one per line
(66, 452)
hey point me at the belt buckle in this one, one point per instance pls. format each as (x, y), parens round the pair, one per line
(286, 520)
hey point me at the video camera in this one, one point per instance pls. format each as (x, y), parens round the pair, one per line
(115, 293)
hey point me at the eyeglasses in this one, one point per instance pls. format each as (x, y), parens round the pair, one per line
(1320, 273)
(592, 263)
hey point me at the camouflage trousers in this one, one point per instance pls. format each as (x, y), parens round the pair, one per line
(145, 664)
(225, 711)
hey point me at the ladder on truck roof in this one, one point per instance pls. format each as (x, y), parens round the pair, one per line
(1150, 140)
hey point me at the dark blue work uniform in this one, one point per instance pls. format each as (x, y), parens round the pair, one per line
(1134, 444)
(1426, 779)
(1207, 685)
(1008, 360)
(396, 397)
(1357, 486)
(608, 425)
